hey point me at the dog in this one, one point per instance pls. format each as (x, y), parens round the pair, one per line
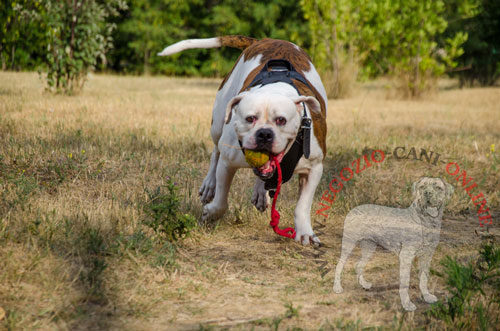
(272, 97)
(407, 232)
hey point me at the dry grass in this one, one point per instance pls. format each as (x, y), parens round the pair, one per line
(74, 253)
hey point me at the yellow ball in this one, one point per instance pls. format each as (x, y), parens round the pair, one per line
(256, 159)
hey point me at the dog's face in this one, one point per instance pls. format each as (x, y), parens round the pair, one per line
(431, 194)
(268, 122)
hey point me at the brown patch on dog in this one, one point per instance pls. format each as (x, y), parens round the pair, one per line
(279, 49)
(237, 41)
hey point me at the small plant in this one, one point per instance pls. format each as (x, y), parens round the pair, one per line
(475, 291)
(292, 311)
(164, 215)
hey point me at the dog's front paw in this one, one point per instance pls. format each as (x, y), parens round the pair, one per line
(207, 189)
(409, 306)
(211, 212)
(307, 237)
(429, 298)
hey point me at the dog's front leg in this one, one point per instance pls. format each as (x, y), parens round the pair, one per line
(260, 198)
(424, 264)
(304, 231)
(207, 189)
(224, 177)
(406, 257)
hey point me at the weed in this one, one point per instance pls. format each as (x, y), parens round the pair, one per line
(163, 209)
(291, 311)
(341, 324)
(475, 291)
(138, 242)
(165, 258)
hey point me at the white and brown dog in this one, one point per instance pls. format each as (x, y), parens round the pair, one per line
(259, 115)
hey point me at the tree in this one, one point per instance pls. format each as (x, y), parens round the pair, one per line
(480, 19)
(78, 35)
(382, 36)
(22, 39)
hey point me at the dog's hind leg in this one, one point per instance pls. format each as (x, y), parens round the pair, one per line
(348, 245)
(424, 264)
(367, 249)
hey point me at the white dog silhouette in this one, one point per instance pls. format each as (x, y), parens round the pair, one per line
(407, 232)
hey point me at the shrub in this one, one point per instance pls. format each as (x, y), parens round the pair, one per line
(164, 215)
(78, 35)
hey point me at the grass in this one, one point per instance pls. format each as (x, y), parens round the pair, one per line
(77, 172)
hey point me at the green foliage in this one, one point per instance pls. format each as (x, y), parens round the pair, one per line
(149, 26)
(475, 291)
(397, 38)
(480, 19)
(153, 24)
(78, 35)
(333, 35)
(164, 215)
(22, 38)
(413, 41)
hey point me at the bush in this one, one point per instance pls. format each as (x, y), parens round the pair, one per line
(77, 35)
(164, 216)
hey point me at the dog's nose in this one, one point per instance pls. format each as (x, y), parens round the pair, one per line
(264, 136)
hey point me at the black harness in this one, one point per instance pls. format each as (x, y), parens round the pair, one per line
(283, 71)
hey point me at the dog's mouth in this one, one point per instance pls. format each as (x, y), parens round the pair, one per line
(431, 207)
(267, 170)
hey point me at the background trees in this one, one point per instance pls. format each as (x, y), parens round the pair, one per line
(413, 41)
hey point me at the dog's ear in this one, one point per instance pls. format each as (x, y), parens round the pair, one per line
(229, 109)
(311, 102)
(449, 189)
(415, 186)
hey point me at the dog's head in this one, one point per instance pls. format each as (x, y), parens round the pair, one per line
(268, 122)
(431, 194)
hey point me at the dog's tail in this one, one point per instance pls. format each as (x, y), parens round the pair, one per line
(240, 42)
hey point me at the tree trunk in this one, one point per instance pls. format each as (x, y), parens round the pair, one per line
(13, 55)
(146, 61)
(4, 65)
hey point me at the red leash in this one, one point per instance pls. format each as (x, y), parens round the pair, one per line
(275, 216)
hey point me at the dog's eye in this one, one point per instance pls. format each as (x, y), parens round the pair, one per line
(251, 119)
(280, 121)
